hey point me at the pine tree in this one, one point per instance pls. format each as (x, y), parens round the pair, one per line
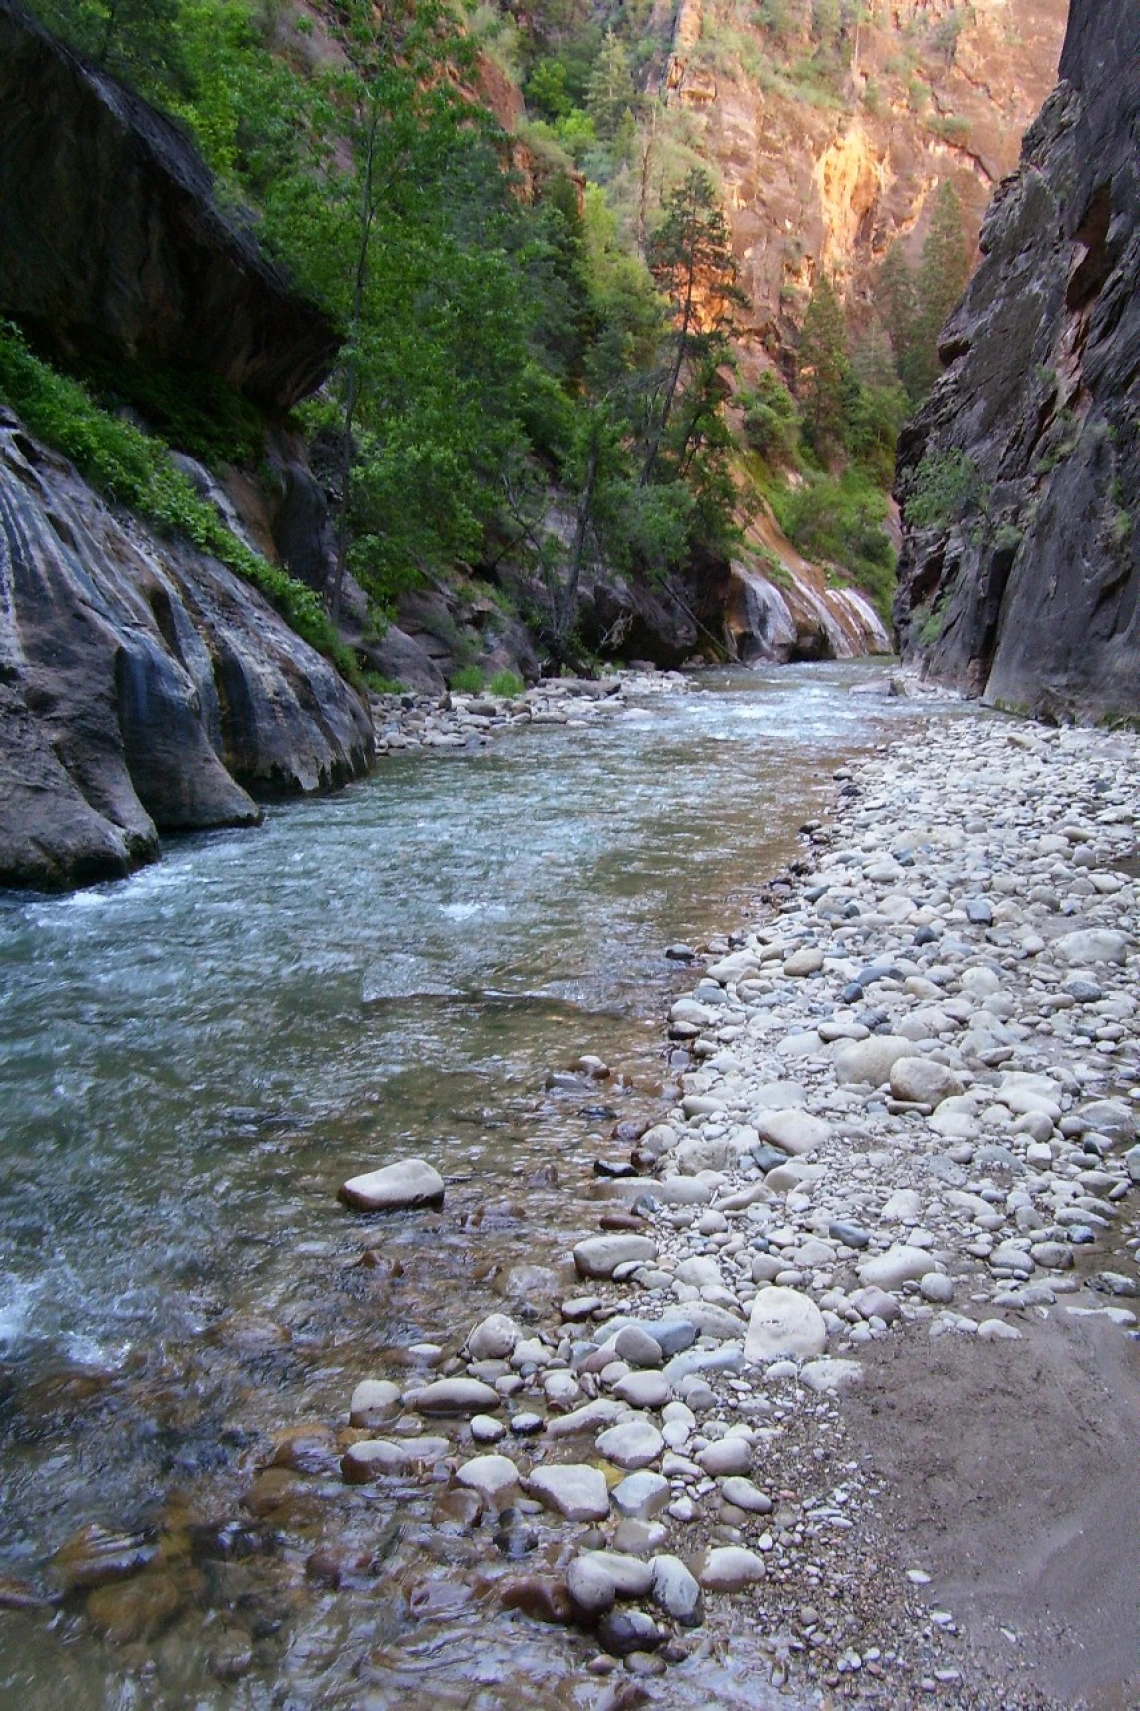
(942, 276)
(610, 93)
(897, 304)
(691, 260)
(822, 366)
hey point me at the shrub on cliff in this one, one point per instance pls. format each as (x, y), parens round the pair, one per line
(134, 469)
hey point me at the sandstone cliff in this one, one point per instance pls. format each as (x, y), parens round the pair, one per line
(1026, 589)
(826, 174)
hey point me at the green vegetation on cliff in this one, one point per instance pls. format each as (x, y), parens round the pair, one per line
(538, 327)
(135, 469)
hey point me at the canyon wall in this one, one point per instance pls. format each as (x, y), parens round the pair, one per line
(1024, 465)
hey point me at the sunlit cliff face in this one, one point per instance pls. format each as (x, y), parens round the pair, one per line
(826, 175)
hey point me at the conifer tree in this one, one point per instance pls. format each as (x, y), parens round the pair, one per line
(610, 93)
(822, 367)
(691, 260)
(942, 275)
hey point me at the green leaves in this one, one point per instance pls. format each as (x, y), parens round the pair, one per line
(135, 469)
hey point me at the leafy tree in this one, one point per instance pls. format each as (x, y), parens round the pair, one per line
(822, 367)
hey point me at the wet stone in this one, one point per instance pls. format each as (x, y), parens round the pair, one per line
(624, 1631)
(395, 1187)
(373, 1401)
(373, 1458)
(93, 1557)
(491, 1476)
(591, 1587)
(456, 1396)
(577, 1491)
(676, 1591)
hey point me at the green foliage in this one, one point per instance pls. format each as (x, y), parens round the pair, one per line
(945, 488)
(381, 685)
(771, 420)
(1008, 538)
(135, 470)
(506, 684)
(915, 306)
(138, 40)
(193, 410)
(839, 520)
(822, 367)
(468, 680)
(610, 93)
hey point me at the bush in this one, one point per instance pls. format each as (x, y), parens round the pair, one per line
(508, 684)
(946, 488)
(468, 680)
(771, 420)
(135, 470)
(839, 522)
(381, 685)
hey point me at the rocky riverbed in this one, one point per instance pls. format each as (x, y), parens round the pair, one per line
(471, 721)
(906, 1121)
(809, 1378)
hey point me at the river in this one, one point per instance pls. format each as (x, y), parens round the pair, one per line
(192, 1060)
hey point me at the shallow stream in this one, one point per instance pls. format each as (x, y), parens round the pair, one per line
(191, 1061)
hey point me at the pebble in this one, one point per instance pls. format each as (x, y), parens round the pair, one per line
(491, 1476)
(784, 1322)
(632, 1444)
(730, 1568)
(676, 1591)
(456, 1396)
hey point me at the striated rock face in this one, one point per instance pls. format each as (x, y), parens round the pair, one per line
(143, 686)
(778, 607)
(1027, 591)
(111, 240)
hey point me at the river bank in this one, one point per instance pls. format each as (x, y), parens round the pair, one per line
(885, 1266)
(393, 972)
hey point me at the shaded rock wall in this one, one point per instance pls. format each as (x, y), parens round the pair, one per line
(143, 686)
(1030, 596)
(112, 242)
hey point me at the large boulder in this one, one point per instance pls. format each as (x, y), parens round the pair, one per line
(146, 687)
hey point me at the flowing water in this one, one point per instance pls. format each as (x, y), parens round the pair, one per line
(191, 1061)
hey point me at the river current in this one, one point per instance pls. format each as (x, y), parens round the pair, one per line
(192, 1060)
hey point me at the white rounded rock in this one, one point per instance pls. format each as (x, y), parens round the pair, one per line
(490, 1475)
(730, 1568)
(784, 1322)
